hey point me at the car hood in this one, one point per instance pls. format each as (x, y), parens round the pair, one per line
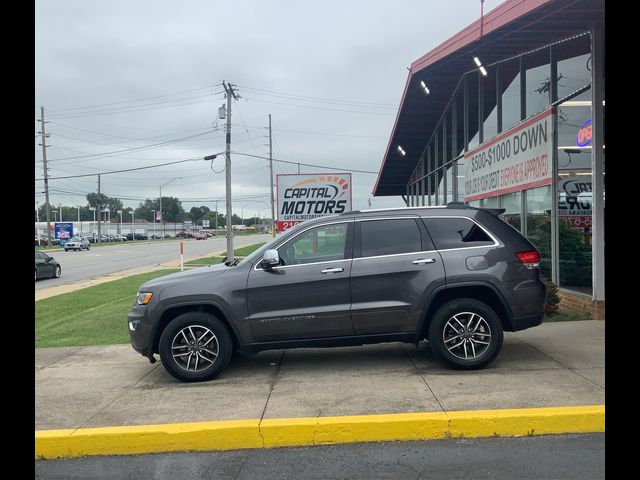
(195, 274)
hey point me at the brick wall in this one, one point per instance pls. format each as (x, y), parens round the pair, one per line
(574, 303)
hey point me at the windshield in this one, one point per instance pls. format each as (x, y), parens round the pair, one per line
(76, 239)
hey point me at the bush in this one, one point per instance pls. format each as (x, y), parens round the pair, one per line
(552, 303)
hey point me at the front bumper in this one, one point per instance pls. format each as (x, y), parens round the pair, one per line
(139, 326)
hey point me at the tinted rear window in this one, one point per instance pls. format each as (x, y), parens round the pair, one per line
(387, 237)
(456, 233)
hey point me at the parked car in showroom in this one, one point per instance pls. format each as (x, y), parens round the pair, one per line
(46, 266)
(454, 275)
(77, 244)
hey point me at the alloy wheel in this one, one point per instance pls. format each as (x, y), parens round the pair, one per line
(195, 348)
(466, 335)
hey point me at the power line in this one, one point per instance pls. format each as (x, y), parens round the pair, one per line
(133, 148)
(306, 164)
(320, 99)
(126, 170)
(131, 101)
(320, 108)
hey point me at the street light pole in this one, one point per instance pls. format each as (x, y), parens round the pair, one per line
(93, 209)
(120, 212)
(133, 224)
(37, 224)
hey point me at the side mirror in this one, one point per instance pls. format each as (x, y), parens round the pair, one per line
(270, 259)
(48, 259)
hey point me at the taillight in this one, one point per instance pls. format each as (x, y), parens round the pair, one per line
(530, 259)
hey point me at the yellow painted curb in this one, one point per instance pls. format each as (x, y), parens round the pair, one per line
(240, 434)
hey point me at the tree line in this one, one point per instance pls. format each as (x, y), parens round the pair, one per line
(173, 211)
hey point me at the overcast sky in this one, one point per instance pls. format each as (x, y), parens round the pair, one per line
(129, 80)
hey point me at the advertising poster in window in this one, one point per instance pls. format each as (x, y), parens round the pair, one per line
(306, 196)
(575, 197)
(515, 160)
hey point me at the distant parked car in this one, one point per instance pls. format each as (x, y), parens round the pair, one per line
(201, 236)
(46, 266)
(77, 243)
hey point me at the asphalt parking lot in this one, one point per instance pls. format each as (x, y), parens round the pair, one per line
(556, 456)
(556, 364)
(100, 261)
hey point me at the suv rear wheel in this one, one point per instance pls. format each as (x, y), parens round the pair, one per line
(195, 346)
(465, 334)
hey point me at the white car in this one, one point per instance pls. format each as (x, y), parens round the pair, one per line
(77, 243)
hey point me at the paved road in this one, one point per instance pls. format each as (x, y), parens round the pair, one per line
(554, 456)
(98, 261)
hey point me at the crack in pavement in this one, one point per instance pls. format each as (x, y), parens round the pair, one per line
(273, 384)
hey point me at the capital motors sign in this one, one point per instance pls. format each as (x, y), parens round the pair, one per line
(305, 196)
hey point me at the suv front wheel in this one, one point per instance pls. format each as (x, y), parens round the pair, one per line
(465, 334)
(195, 346)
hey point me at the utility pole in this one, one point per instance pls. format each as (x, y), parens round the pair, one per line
(99, 213)
(228, 88)
(216, 217)
(46, 175)
(273, 214)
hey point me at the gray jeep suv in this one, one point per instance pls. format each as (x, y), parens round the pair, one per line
(456, 275)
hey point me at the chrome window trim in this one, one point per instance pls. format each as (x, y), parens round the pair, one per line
(401, 208)
(396, 255)
(296, 235)
(404, 217)
(496, 242)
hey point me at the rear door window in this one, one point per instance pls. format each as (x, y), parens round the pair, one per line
(388, 237)
(449, 233)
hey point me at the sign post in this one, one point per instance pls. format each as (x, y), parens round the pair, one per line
(305, 196)
(181, 255)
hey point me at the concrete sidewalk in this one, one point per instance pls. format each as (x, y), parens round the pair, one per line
(556, 364)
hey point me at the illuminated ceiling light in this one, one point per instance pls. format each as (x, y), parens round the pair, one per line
(478, 62)
(424, 86)
(483, 71)
(401, 150)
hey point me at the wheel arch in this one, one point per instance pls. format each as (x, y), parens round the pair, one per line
(172, 311)
(482, 292)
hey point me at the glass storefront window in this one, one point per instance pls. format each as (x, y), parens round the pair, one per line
(512, 209)
(575, 194)
(538, 208)
(538, 81)
(491, 202)
(460, 180)
(574, 65)
(472, 88)
(449, 177)
(510, 88)
(490, 111)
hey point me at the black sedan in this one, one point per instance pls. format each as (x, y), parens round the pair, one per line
(46, 266)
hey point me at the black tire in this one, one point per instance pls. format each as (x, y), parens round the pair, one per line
(198, 321)
(57, 272)
(440, 330)
(36, 274)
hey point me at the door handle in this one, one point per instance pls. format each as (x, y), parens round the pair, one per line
(422, 261)
(332, 270)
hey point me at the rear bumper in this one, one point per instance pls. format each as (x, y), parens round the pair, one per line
(522, 323)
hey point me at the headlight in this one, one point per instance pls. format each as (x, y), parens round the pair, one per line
(144, 298)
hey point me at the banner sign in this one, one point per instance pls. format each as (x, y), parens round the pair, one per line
(515, 160)
(63, 231)
(305, 196)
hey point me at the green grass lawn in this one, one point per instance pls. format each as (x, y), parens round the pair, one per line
(566, 317)
(91, 316)
(238, 252)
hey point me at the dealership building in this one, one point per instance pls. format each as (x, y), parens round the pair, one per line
(509, 113)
